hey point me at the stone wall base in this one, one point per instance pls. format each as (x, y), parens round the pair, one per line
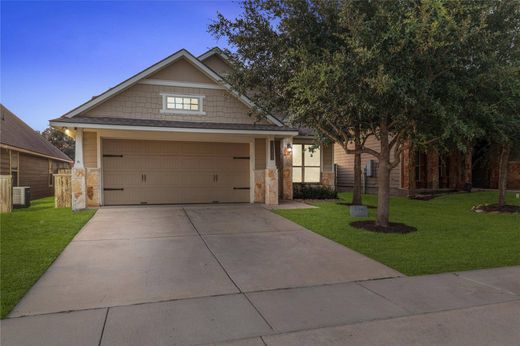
(260, 186)
(271, 186)
(328, 179)
(78, 187)
(93, 187)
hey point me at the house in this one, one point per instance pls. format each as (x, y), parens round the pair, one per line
(433, 170)
(28, 157)
(176, 132)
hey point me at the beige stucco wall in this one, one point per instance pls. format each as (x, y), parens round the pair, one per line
(345, 168)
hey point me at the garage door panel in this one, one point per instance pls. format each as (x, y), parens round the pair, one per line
(162, 172)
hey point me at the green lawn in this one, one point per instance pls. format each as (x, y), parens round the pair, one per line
(30, 240)
(450, 236)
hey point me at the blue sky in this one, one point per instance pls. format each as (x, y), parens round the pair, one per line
(57, 54)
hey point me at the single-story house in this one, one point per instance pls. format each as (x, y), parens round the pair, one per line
(176, 132)
(28, 157)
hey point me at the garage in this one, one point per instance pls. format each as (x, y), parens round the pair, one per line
(169, 172)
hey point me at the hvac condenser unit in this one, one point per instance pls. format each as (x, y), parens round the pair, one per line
(21, 197)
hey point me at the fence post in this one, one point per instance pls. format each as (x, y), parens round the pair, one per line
(6, 194)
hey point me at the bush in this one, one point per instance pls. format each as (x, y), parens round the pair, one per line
(305, 191)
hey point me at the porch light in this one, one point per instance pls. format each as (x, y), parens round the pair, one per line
(289, 147)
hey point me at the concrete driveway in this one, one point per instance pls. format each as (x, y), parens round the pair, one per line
(241, 274)
(148, 254)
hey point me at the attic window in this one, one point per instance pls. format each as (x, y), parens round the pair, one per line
(182, 104)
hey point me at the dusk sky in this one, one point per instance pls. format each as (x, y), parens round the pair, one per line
(56, 55)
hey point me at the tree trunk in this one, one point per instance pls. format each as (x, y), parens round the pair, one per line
(502, 174)
(383, 179)
(356, 192)
(412, 184)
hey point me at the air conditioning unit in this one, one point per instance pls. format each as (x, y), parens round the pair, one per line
(21, 197)
(370, 168)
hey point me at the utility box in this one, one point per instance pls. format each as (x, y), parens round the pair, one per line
(370, 168)
(21, 197)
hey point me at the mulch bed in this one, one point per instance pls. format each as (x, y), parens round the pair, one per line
(394, 227)
(350, 204)
(494, 208)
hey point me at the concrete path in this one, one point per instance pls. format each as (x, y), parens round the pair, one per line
(241, 275)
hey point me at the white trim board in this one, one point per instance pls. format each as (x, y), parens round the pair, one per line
(171, 129)
(183, 53)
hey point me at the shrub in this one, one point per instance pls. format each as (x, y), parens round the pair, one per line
(305, 191)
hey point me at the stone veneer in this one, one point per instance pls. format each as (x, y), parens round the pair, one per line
(287, 161)
(271, 186)
(260, 186)
(93, 187)
(78, 187)
(327, 179)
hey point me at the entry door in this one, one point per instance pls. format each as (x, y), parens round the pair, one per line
(165, 172)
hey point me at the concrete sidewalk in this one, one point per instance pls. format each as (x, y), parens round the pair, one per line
(468, 308)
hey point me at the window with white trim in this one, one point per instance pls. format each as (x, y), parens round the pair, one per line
(182, 104)
(306, 163)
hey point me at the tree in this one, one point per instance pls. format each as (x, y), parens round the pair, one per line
(498, 86)
(60, 140)
(352, 69)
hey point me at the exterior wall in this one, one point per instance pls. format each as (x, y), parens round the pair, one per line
(345, 169)
(327, 153)
(143, 101)
(90, 149)
(182, 70)
(513, 176)
(34, 172)
(217, 64)
(260, 154)
(4, 162)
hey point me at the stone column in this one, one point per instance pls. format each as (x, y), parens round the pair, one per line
(78, 176)
(271, 174)
(327, 176)
(287, 157)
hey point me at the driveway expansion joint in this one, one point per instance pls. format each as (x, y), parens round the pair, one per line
(225, 271)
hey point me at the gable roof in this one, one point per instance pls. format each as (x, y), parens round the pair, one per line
(183, 53)
(18, 135)
(214, 51)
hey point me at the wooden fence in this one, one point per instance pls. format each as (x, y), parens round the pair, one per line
(6, 194)
(62, 190)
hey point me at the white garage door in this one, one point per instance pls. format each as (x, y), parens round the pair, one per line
(163, 172)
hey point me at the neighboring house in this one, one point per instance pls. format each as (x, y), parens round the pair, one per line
(433, 171)
(28, 157)
(177, 133)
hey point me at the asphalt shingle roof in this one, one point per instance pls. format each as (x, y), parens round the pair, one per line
(14, 132)
(172, 124)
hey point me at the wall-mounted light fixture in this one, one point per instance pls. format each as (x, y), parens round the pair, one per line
(289, 147)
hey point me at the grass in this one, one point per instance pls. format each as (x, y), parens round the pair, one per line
(450, 236)
(30, 240)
